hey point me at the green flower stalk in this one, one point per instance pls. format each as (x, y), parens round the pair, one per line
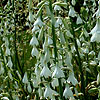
(79, 60)
(55, 47)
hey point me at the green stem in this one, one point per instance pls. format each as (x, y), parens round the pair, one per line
(16, 53)
(79, 61)
(55, 47)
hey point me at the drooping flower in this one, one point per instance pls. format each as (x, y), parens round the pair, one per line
(67, 92)
(72, 12)
(58, 23)
(45, 72)
(35, 28)
(50, 41)
(73, 2)
(34, 41)
(58, 73)
(55, 83)
(57, 8)
(29, 88)
(98, 78)
(9, 64)
(35, 52)
(31, 18)
(25, 79)
(72, 79)
(49, 92)
(96, 32)
(7, 51)
(79, 20)
(1, 68)
(38, 22)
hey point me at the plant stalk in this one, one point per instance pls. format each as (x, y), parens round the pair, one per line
(55, 47)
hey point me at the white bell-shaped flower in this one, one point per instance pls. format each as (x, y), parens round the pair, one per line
(55, 83)
(5, 98)
(57, 8)
(48, 93)
(98, 78)
(72, 12)
(99, 56)
(38, 22)
(9, 64)
(93, 63)
(50, 41)
(45, 72)
(68, 33)
(31, 18)
(96, 32)
(73, 2)
(34, 41)
(7, 51)
(10, 75)
(35, 82)
(1, 68)
(35, 52)
(72, 79)
(29, 88)
(58, 23)
(47, 56)
(58, 73)
(79, 20)
(67, 92)
(85, 33)
(35, 28)
(62, 38)
(25, 79)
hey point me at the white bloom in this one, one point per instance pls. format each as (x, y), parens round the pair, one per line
(7, 51)
(35, 52)
(55, 83)
(38, 22)
(35, 28)
(98, 78)
(72, 12)
(18, 74)
(45, 72)
(72, 79)
(31, 18)
(58, 73)
(35, 82)
(9, 64)
(57, 8)
(49, 92)
(5, 98)
(34, 41)
(96, 32)
(68, 33)
(50, 41)
(58, 23)
(47, 56)
(29, 88)
(62, 39)
(79, 20)
(99, 56)
(73, 2)
(1, 68)
(67, 92)
(25, 79)
(85, 33)
(10, 75)
(93, 63)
